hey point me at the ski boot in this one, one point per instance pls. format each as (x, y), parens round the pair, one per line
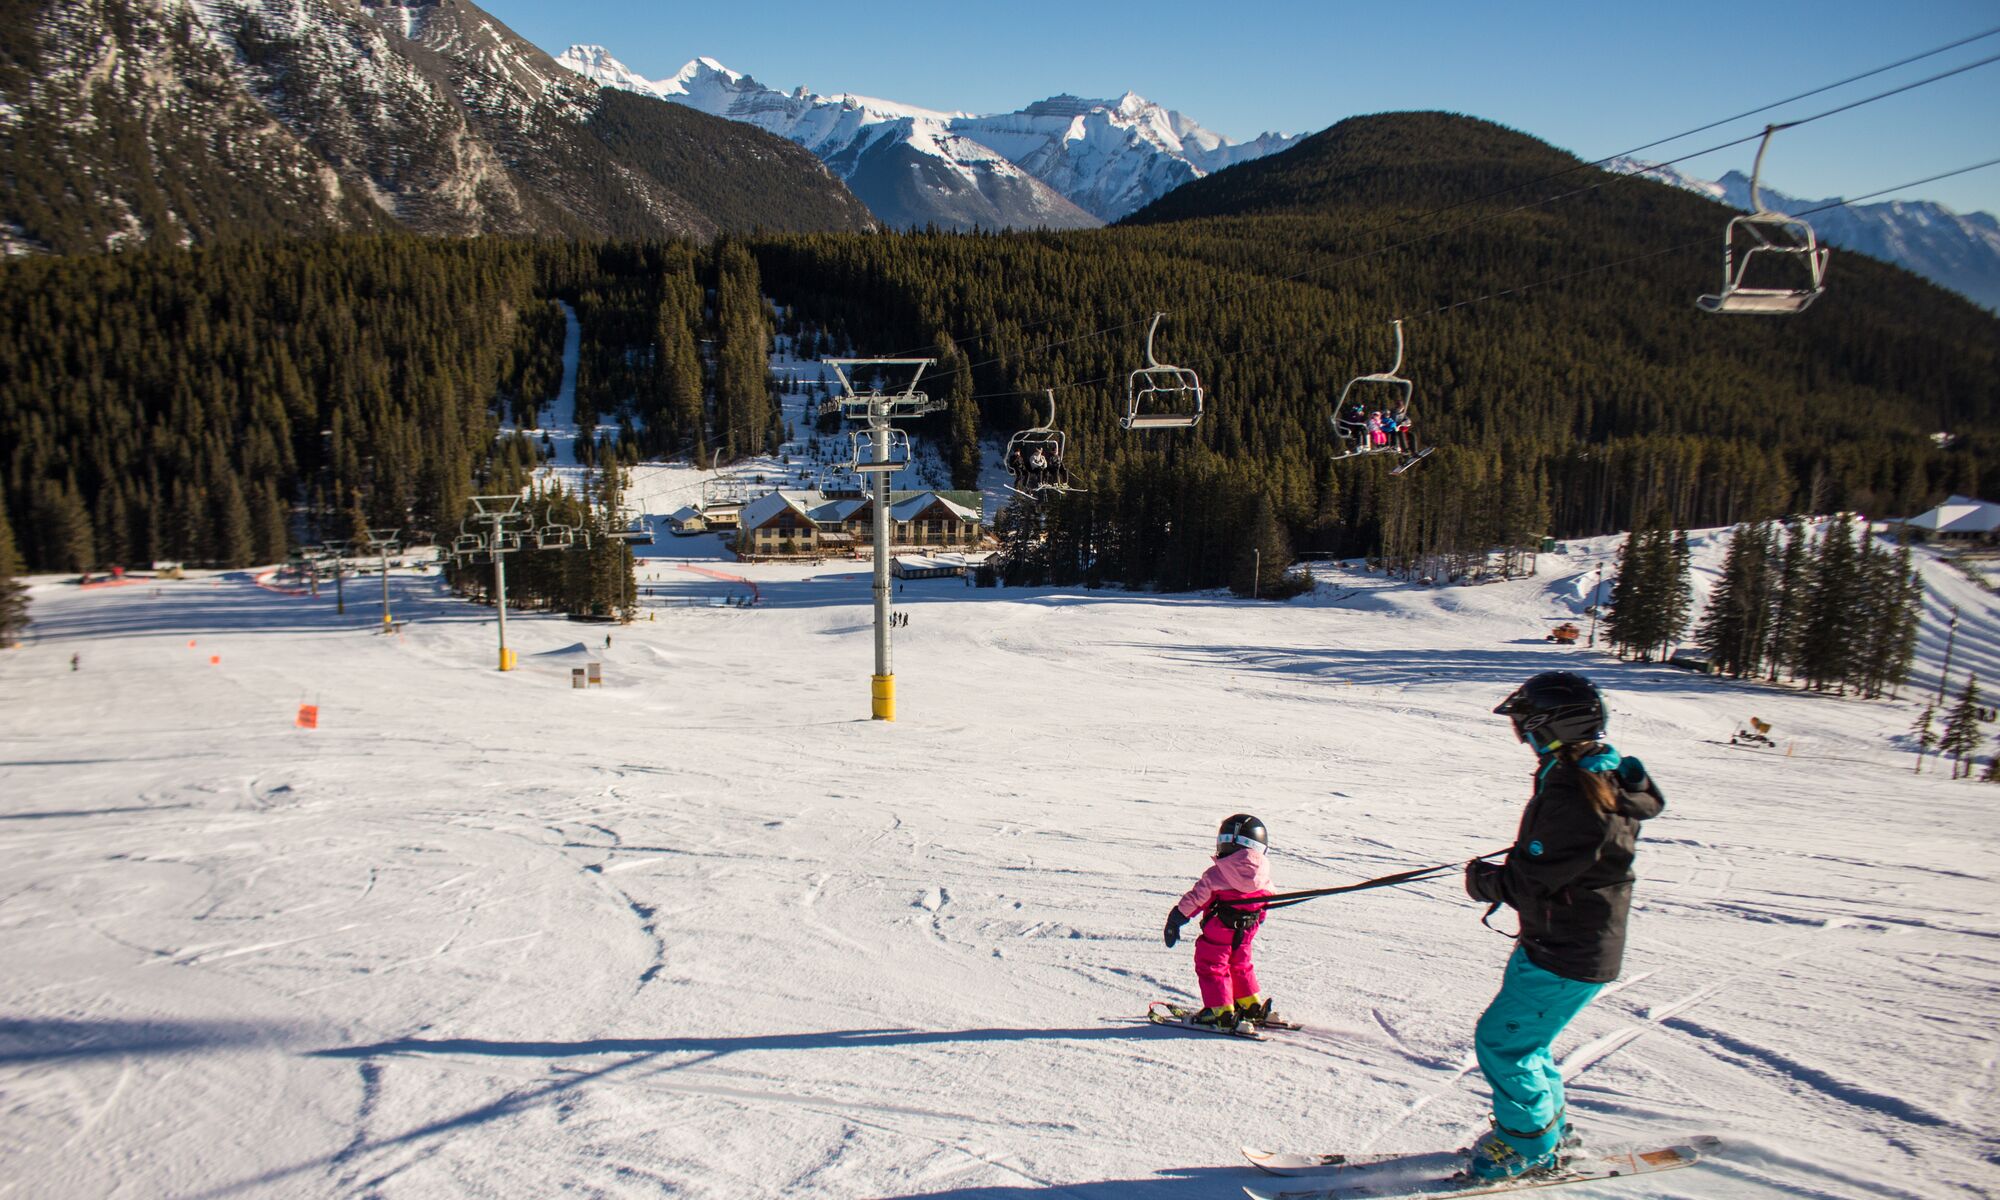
(1223, 1017)
(1493, 1158)
(1261, 1013)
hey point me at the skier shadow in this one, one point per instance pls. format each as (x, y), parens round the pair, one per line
(716, 1046)
(1172, 1183)
(45, 1040)
(631, 1057)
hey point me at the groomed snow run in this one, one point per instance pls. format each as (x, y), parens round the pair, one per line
(706, 931)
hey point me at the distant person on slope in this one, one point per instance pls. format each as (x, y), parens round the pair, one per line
(1222, 953)
(1569, 878)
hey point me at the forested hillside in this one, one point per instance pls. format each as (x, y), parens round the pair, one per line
(208, 405)
(1560, 364)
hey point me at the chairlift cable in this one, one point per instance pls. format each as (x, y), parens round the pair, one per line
(1542, 283)
(1393, 225)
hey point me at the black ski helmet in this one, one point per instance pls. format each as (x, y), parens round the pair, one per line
(1238, 832)
(1556, 707)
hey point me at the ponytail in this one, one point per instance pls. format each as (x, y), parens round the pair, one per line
(1596, 788)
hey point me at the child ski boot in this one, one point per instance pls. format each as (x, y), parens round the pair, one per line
(1216, 1018)
(1260, 1014)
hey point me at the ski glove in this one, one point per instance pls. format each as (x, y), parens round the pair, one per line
(1175, 919)
(1482, 881)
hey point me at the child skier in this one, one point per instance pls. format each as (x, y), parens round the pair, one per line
(1222, 953)
(1569, 878)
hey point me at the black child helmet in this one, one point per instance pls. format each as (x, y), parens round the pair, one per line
(1556, 707)
(1239, 832)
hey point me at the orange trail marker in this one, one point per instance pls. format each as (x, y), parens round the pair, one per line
(308, 716)
(190, 643)
(215, 660)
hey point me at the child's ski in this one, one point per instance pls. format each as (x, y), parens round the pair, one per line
(1159, 1012)
(1440, 1175)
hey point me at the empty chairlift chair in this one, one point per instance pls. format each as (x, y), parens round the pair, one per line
(1161, 396)
(555, 536)
(1781, 237)
(895, 445)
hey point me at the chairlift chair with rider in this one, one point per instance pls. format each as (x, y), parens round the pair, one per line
(1765, 232)
(1037, 457)
(1159, 395)
(1350, 412)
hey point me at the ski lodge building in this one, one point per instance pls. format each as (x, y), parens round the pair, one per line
(811, 524)
(1959, 521)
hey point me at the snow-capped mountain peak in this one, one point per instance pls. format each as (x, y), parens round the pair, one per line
(1061, 162)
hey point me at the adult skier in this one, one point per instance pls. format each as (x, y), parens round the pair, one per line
(1222, 963)
(1569, 878)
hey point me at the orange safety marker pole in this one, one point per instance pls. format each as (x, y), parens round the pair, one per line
(215, 660)
(308, 716)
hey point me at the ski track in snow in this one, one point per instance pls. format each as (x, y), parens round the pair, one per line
(708, 931)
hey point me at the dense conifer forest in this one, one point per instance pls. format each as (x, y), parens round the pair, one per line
(221, 405)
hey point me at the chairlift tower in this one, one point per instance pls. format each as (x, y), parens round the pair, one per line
(877, 408)
(335, 550)
(383, 541)
(496, 513)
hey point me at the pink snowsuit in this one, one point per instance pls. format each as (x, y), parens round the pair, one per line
(1222, 955)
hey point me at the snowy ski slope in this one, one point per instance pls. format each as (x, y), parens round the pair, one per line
(707, 931)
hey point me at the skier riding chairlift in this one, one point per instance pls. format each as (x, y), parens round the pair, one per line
(1034, 457)
(1383, 430)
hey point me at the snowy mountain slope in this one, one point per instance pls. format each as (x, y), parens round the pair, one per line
(1063, 162)
(192, 120)
(706, 931)
(1960, 251)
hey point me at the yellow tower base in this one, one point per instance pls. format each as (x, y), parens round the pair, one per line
(882, 690)
(507, 660)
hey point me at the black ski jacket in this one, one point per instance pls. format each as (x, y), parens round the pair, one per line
(1569, 872)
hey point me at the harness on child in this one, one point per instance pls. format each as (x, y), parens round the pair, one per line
(1241, 916)
(1235, 918)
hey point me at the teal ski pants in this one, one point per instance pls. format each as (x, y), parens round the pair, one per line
(1513, 1041)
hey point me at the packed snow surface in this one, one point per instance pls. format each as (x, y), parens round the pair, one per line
(708, 931)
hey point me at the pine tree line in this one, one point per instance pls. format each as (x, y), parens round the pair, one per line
(13, 593)
(1833, 609)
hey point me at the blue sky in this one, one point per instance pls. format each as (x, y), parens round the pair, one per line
(1593, 78)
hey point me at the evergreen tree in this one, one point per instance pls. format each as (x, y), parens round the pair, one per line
(1927, 737)
(1646, 600)
(1828, 640)
(1992, 770)
(1962, 735)
(1680, 591)
(1788, 601)
(1264, 557)
(13, 593)
(1734, 631)
(232, 524)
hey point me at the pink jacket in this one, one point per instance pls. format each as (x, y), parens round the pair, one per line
(1242, 874)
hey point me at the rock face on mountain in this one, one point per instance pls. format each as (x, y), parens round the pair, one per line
(1060, 163)
(125, 121)
(1960, 251)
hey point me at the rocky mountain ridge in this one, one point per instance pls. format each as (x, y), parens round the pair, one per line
(127, 121)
